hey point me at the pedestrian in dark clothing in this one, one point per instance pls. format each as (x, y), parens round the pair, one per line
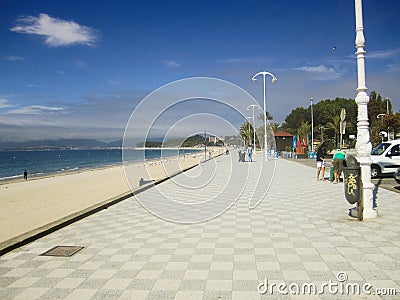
(321, 161)
(26, 175)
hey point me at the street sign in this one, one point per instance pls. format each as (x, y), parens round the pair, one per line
(343, 114)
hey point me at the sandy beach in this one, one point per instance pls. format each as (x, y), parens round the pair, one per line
(28, 205)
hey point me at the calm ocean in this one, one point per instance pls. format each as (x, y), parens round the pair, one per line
(38, 163)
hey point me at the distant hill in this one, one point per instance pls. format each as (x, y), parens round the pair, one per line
(94, 144)
(59, 144)
(191, 141)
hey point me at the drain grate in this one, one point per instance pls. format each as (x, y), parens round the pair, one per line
(63, 251)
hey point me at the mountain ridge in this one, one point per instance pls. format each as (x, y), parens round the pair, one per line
(60, 144)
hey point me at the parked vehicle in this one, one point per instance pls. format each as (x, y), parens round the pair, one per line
(385, 158)
(397, 176)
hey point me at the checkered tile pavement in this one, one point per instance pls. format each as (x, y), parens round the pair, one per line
(299, 233)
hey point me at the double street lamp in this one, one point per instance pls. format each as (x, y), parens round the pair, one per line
(254, 78)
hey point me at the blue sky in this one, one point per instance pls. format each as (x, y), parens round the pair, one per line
(77, 69)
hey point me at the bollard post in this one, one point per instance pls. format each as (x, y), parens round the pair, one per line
(353, 186)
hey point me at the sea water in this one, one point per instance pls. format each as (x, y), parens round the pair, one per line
(45, 162)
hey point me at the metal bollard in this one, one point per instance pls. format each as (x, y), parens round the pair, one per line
(353, 184)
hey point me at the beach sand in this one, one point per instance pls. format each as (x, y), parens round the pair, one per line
(29, 205)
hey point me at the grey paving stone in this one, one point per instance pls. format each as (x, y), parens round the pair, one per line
(299, 233)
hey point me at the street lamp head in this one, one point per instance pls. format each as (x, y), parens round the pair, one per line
(311, 99)
(254, 79)
(274, 79)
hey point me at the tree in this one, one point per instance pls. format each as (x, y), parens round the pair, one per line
(375, 107)
(303, 130)
(334, 124)
(247, 132)
(294, 120)
(261, 116)
(275, 127)
(389, 123)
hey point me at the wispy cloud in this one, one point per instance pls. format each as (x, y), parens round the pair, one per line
(58, 32)
(4, 103)
(171, 63)
(393, 67)
(320, 72)
(32, 85)
(13, 58)
(113, 82)
(230, 60)
(383, 54)
(35, 110)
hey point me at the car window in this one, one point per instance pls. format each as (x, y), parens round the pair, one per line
(380, 149)
(395, 151)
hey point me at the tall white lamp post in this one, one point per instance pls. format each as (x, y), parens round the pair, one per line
(387, 105)
(363, 144)
(264, 73)
(312, 127)
(254, 125)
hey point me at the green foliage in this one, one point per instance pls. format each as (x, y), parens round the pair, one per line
(247, 133)
(193, 141)
(261, 116)
(387, 121)
(303, 130)
(295, 118)
(327, 114)
(149, 144)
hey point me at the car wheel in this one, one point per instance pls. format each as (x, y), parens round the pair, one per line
(375, 171)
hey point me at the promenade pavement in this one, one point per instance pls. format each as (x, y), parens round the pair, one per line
(298, 234)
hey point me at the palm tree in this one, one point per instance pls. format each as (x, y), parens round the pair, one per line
(261, 116)
(246, 132)
(335, 125)
(333, 116)
(275, 127)
(304, 129)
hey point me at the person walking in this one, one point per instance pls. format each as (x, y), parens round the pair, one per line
(321, 162)
(250, 153)
(338, 163)
(26, 175)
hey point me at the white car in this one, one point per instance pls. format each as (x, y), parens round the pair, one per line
(385, 158)
(397, 176)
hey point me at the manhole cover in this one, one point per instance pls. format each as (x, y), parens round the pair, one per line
(64, 251)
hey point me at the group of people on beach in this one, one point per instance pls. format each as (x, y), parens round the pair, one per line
(338, 163)
(242, 154)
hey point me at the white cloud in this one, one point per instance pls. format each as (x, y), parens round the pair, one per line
(113, 82)
(320, 72)
(58, 32)
(4, 103)
(32, 85)
(13, 58)
(230, 60)
(35, 110)
(383, 54)
(171, 64)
